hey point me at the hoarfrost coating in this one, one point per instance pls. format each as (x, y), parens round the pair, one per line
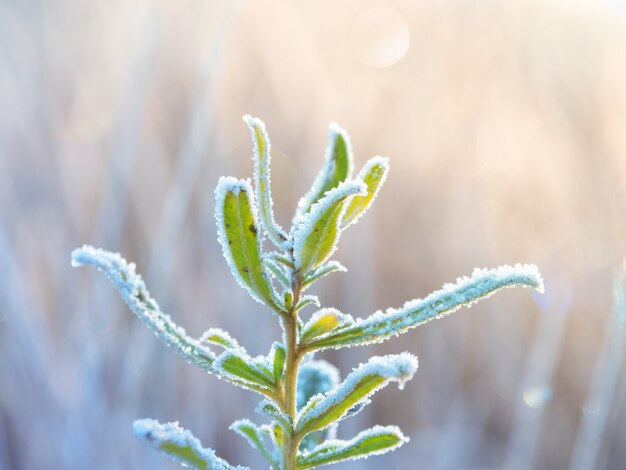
(467, 291)
(399, 368)
(262, 180)
(172, 435)
(334, 132)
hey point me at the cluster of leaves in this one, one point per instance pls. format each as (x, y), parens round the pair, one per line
(303, 399)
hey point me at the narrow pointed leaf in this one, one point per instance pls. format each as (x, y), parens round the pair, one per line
(358, 386)
(238, 233)
(217, 337)
(468, 290)
(134, 292)
(316, 235)
(323, 270)
(180, 445)
(262, 159)
(307, 300)
(254, 436)
(320, 323)
(279, 258)
(337, 168)
(270, 410)
(278, 272)
(375, 441)
(237, 364)
(373, 175)
(278, 355)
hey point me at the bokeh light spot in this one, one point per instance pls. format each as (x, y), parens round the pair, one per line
(380, 37)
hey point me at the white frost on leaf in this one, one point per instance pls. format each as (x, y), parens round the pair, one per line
(133, 290)
(180, 445)
(229, 184)
(464, 293)
(383, 163)
(337, 450)
(219, 337)
(392, 368)
(268, 409)
(256, 438)
(322, 271)
(305, 226)
(262, 183)
(328, 168)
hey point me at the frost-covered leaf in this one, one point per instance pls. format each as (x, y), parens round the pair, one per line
(237, 364)
(315, 236)
(468, 290)
(315, 378)
(133, 290)
(256, 438)
(375, 441)
(358, 386)
(277, 359)
(262, 181)
(278, 272)
(270, 410)
(280, 258)
(321, 271)
(218, 337)
(307, 300)
(238, 233)
(322, 322)
(337, 168)
(180, 445)
(373, 175)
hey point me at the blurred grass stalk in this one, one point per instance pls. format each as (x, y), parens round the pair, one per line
(536, 389)
(601, 399)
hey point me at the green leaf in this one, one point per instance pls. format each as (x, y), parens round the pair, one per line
(278, 355)
(262, 181)
(307, 300)
(254, 436)
(134, 292)
(270, 410)
(237, 364)
(217, 337)
(320, 323)
(278, 272)
(238, 233)
(320, 272)
(180, 445)
(375, 441)
(358, 386)
(316, 235)
(381, 326)
(373, 175)
(337, 168)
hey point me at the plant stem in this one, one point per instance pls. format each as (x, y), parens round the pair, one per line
(291, 441)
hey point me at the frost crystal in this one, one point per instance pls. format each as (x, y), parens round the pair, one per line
(329, 169)
(316, 234)
(467, 291)
(134, 292)
(262, 158)
(359, 385)
(179, 444)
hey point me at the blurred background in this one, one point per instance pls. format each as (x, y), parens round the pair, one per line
(505, 124)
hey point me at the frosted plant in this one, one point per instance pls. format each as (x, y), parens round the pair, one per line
(303, 399)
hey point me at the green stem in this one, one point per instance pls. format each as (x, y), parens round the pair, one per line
(294, 355)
